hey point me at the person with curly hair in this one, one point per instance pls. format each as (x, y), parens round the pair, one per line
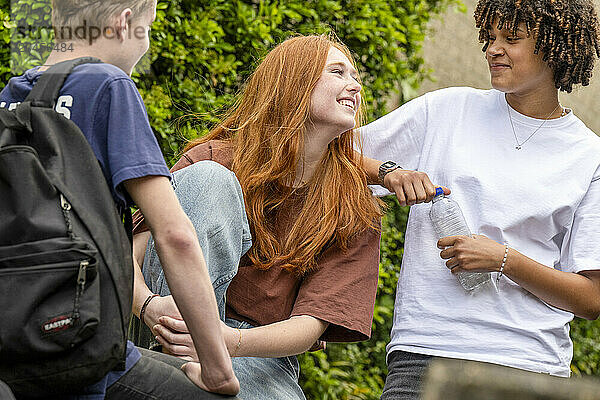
(526, 173)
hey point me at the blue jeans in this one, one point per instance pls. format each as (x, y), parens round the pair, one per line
(212, 198)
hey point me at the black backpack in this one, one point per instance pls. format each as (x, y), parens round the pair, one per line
(66, 273)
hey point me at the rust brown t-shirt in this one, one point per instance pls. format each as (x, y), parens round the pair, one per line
(341, 290)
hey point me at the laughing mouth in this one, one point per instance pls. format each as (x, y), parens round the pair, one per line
(347, 103)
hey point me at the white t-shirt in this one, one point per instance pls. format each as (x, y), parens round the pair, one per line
(543, 200)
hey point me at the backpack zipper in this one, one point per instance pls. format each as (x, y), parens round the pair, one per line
(64, 204)
(65, 207)
(81, 279)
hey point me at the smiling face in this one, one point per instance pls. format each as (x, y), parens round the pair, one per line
(335, 99)
(514, 67)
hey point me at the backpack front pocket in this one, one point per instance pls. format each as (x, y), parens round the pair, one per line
(54, 297)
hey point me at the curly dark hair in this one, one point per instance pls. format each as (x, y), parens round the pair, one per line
(566, 32)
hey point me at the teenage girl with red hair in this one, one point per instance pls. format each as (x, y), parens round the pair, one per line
(310, 274)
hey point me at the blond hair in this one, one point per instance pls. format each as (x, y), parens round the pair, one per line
(68, 15)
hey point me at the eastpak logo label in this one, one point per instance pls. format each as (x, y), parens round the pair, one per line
(56, 324)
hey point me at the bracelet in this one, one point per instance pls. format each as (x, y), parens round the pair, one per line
(143, 310)
(503, 264)
(239, 343)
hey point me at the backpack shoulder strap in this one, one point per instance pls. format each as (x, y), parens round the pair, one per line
(45, 91)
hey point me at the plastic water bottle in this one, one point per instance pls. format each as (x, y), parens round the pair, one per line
(448, 220)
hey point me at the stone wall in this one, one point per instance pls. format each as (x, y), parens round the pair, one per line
(449, 379)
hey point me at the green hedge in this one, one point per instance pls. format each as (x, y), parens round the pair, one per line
(4, 41)
(201, 54)
(203, 51)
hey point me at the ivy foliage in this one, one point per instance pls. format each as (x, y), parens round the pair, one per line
(586, 347)
(202, 52)
(5, 25)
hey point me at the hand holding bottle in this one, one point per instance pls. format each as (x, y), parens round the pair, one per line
(451, 227)
(411, 187)
(476, 253)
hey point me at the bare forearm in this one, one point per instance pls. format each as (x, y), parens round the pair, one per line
(372, 168)
(290, 337)
(140, 289)
(575, 293)
(185, 271)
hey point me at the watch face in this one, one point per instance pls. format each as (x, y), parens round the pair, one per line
(384, 168)
(387, 164)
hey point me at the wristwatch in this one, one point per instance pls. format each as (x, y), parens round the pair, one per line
(385, 169)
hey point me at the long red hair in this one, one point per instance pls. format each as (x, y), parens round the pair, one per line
(266, 127)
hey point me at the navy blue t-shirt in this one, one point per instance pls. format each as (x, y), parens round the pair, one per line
(106, 105)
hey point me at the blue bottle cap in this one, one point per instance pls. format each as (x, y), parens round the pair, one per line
(439, 191)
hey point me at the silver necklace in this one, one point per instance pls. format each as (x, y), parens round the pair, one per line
(519, 146)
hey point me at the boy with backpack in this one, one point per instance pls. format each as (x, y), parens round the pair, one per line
(102, 100)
